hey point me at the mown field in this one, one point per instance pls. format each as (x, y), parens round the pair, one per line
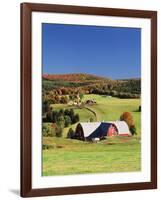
(117, 154)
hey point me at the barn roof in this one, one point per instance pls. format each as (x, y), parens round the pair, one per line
(89, 127)
(98, 129)
(121, 126)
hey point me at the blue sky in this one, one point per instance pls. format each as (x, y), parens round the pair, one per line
(105, 51)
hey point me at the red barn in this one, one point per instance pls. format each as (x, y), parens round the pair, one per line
(91, 130)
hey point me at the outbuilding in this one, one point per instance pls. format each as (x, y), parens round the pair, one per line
(90, 130)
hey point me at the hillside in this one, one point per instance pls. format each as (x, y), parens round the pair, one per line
(92, 84)
(77, 77)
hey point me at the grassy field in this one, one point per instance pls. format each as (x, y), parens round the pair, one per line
(116, 154)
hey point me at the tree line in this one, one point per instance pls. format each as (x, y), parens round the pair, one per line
(59, 119)
(63, 93)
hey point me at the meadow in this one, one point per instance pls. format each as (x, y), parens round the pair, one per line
(115, 154)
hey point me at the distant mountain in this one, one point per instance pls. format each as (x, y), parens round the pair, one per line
(77, 77)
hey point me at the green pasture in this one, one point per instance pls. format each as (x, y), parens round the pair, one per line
(106, 109)
(116, 154)
(77, 157)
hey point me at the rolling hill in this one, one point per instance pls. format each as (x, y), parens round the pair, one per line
(77, 77)
(96, 84)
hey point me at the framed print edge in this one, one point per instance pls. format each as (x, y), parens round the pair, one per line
(154, 99)
(26, 102)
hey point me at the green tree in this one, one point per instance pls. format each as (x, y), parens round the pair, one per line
(81, 96)
(133, 130)
(75, 118)
(67, 112)
(71, 114)
(70, 133)
(67, 120)
(54, 116)
(91, 119)
(48, 130)
(49, 116)
(45, 106)
(61, 112)
(139, 108)
(58, 131)
(61, 121)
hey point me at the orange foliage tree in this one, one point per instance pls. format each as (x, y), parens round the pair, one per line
(128, 118)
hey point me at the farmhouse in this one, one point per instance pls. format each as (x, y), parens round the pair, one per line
(90, 130)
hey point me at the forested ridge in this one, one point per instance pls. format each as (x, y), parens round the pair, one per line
(74, 84)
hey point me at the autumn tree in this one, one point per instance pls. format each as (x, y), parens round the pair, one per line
(128, 118)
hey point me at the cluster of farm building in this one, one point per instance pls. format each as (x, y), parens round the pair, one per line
(99, 130)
